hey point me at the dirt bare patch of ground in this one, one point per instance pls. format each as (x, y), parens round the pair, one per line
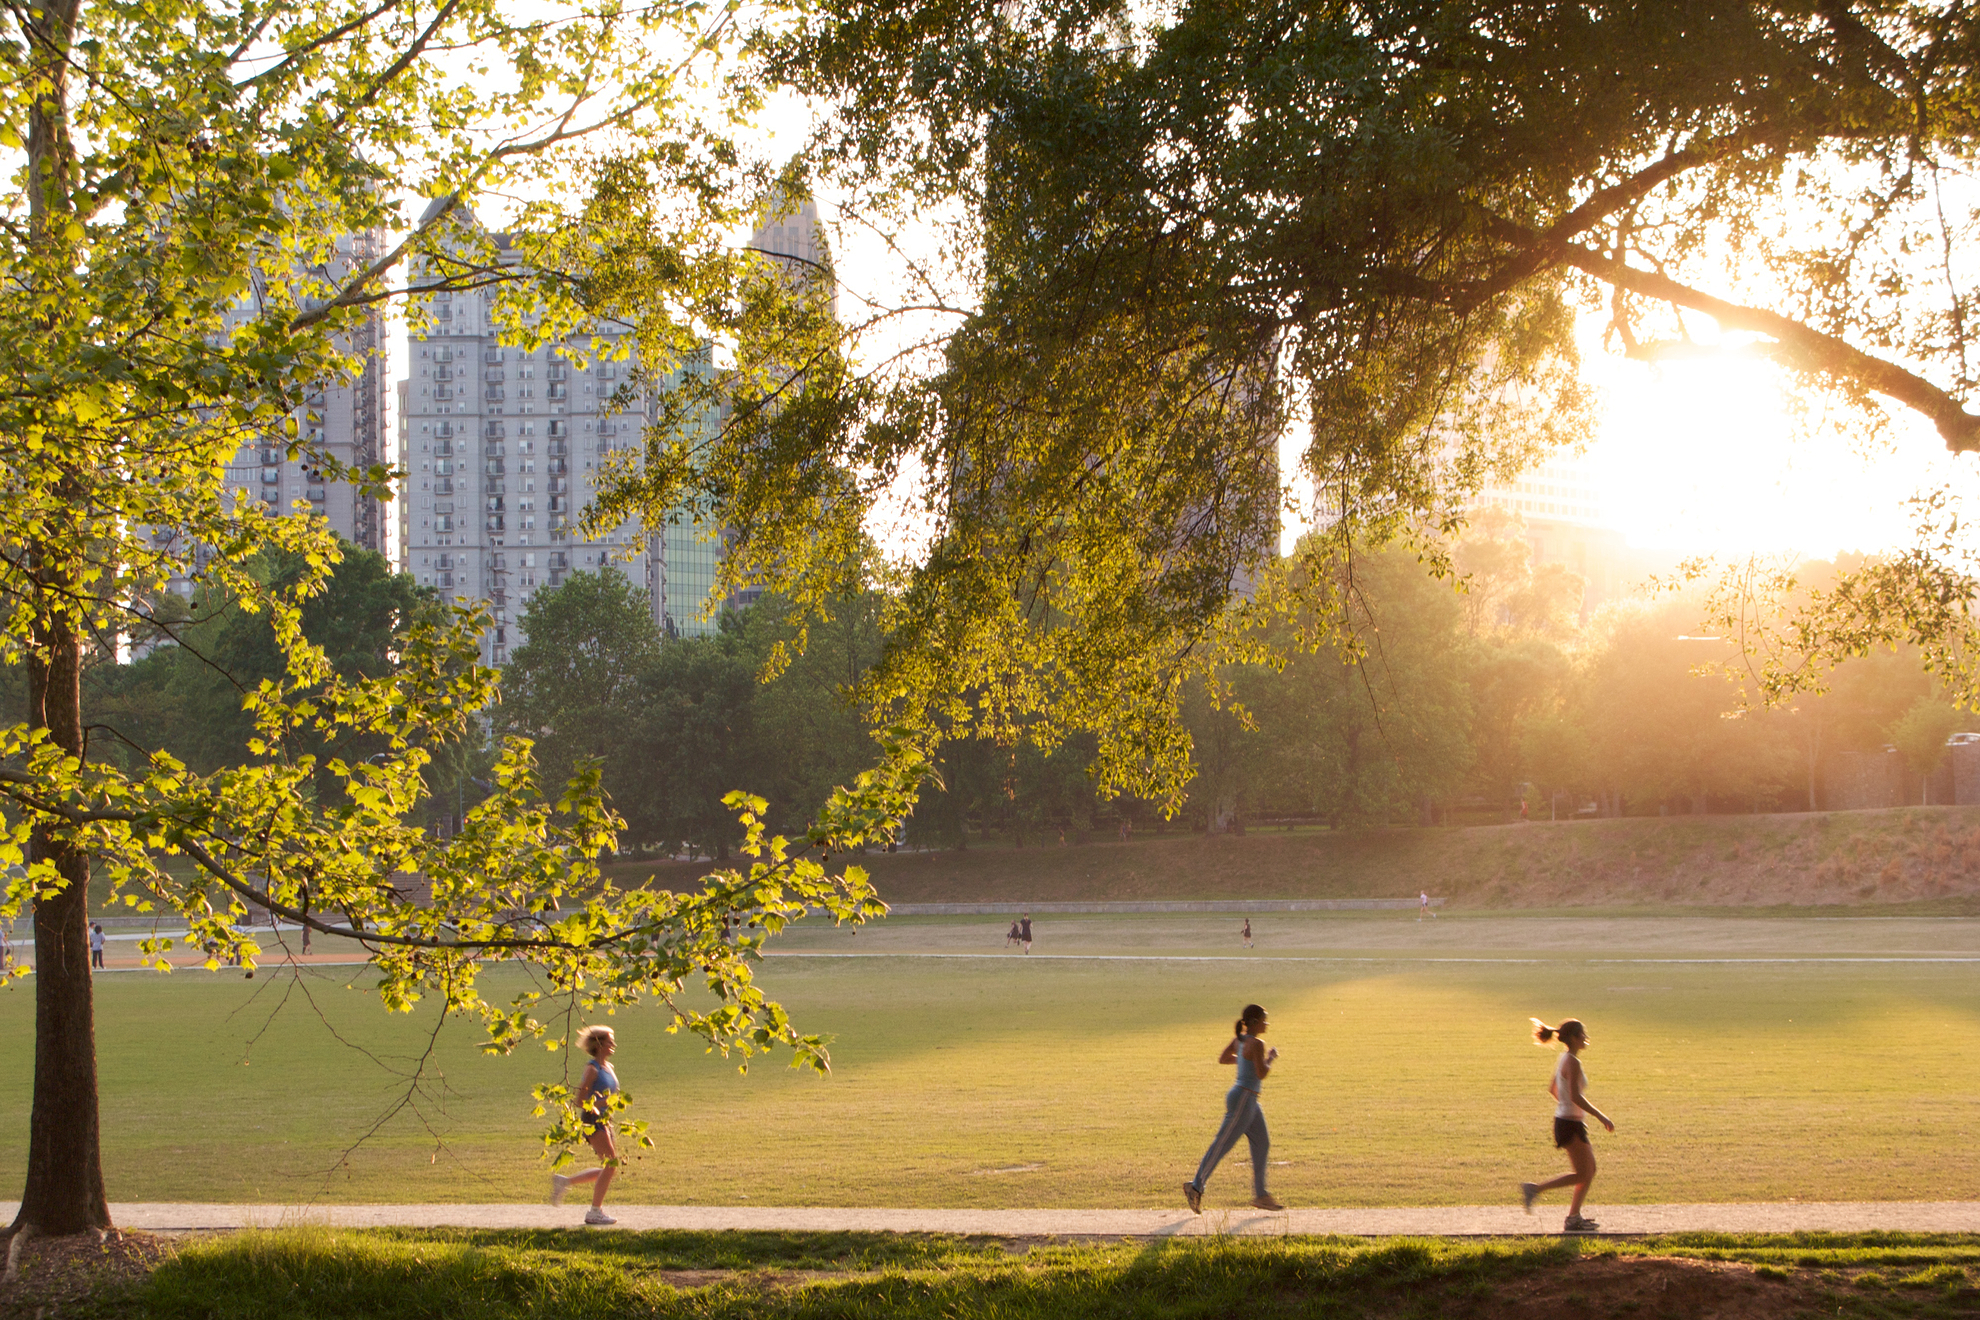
(1648, 1286)
(1660, 1287)
(57, 1275)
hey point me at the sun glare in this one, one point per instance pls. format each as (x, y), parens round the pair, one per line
(1711, 456)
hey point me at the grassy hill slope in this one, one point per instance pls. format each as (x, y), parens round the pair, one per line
(1827, 858)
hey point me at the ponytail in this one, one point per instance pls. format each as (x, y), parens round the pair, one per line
(1542, 1033)
(1252, 1013)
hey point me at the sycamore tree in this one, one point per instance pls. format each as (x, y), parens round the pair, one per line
(181, 175)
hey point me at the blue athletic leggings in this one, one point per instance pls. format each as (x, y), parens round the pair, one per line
(1242, 1117)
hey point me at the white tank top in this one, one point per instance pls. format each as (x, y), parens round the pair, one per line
(1564, 1105)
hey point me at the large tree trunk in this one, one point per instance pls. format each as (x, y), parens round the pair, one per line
(64, 1191)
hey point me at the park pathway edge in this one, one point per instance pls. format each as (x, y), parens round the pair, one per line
(1419, 1221)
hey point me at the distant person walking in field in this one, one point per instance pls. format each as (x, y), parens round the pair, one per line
(1012, 937)
(1572, 1109)
(96, 946)
(1242, 1116)
(1024, 931)
(594, 1095)
(1247, 932)
(1423, 906)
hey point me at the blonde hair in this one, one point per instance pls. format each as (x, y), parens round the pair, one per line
(589, 1039)
(1543, 1033)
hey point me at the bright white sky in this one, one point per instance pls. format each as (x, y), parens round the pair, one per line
(1701, 457)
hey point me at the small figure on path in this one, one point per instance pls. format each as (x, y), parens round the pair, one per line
(600, 1083)
(1247, 932)
(1423, 906)
(1011, 937)
(1242, 1116)
(1571, 1111)
(1024, 931)
(96, 946)
(6, 950)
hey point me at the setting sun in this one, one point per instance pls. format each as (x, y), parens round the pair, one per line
(1707, 456)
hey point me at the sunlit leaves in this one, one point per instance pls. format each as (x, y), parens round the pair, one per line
(186, 258)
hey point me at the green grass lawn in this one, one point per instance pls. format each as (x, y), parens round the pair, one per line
(382, 1276)
(1406, 1077)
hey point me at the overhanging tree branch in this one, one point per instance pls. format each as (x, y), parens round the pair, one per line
(1795, 344)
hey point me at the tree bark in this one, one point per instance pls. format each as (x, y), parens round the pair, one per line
(64, 1192)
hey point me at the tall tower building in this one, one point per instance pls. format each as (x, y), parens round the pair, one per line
(501, 448)
(345, 420)
(685, 557)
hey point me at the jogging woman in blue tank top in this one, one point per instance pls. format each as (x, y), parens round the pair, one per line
(1242, 1116)
(600, 1083)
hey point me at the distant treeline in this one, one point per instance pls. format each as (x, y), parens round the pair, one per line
(1456, 706)
(1468, 706)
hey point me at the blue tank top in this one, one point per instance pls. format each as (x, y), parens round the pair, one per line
(1247, 1074)
(605, 1083)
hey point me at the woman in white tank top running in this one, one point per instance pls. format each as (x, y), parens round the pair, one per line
(1572, 1109)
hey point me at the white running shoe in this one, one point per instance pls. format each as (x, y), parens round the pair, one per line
(597, 1216)
(1528, 1194)
(559, 1184)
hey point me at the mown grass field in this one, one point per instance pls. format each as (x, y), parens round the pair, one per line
(306, 1275)
(1086, 1078)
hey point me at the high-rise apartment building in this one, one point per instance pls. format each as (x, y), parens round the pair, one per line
(686, 558)
(499, 445)
(501, 448)
(346, 421)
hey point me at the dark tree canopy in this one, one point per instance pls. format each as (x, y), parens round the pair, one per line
(1198, 224)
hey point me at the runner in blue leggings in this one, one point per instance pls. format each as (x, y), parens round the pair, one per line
(1242, 1116)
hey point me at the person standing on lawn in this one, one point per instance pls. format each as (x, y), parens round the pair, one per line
(1024, 931)
(1247, 932)
(1572, 1109)
(96, 945)
(599, 1084)
(1242, 1116)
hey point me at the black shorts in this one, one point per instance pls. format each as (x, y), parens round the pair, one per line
(1568, 1131)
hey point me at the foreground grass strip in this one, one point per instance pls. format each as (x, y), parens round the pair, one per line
(331, 1275)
